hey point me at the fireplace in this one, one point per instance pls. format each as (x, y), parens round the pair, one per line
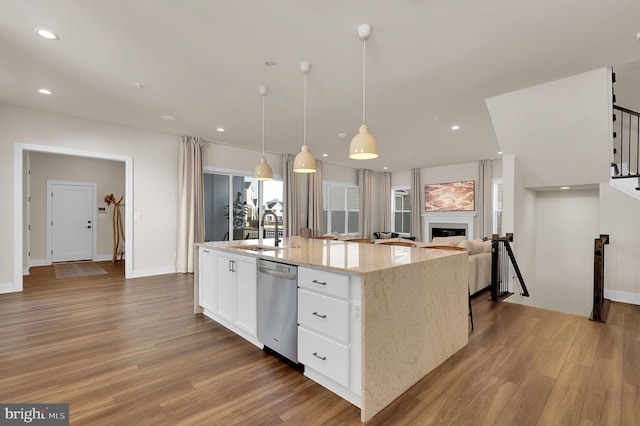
(447, 224)
(447, 232)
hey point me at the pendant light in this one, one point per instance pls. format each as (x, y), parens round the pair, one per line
(304, 161)
(263, 170)
(363, 145)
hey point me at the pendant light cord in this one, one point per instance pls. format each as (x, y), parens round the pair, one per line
(263, 125)
(364, 60)
(304, 138)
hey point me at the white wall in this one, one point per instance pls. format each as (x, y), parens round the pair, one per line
(567, 223)
(619, 215)
(559, 131)
(155, 158)
(109, 177)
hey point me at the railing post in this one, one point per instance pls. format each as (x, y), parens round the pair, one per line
(600, 304)
(495, 267)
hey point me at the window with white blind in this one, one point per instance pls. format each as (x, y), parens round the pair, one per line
(497, 206)
(341, 207)
(401, 210)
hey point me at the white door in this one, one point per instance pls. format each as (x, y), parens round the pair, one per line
(71, 225)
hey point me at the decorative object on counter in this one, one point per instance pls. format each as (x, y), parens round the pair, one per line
(304, 161)
(449, 197)
(118, 229)
(363, 145)
(263, 170)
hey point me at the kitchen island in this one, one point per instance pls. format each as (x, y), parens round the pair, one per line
(406, 309)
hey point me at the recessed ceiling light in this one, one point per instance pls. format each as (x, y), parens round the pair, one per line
(325, 155)
(47, 34)
(139, 85)
(168, 118)
(455, 127)
(342, 134)
(499, 152)
(271, 64)
(220, 129)
(44, 91)
(385, 168)
(565, 187)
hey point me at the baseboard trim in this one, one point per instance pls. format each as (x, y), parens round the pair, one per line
(105, 257)
(39, 262)
(147, 272)
(9, 288)
(622, 296)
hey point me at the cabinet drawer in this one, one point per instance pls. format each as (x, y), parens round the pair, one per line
(323, 281)
(325, 314)
(325, 356)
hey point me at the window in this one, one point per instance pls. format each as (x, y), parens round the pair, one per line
(341, 206)
(497, 206)
(401, 210)
(233, 205)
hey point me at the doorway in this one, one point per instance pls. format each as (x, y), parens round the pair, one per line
(70, 219)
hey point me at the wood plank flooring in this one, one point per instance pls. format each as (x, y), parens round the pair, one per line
(130, 352)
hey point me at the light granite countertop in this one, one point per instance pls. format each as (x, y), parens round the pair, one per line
(335, 255)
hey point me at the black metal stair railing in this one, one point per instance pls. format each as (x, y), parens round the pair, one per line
(501, 254)
(626, 144)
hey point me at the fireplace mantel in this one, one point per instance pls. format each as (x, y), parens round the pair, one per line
(465, 218)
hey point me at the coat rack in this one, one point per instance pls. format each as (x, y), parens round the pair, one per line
(118, 230)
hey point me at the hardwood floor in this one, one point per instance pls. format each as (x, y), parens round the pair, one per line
(131, 352)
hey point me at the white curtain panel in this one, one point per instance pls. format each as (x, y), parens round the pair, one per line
(416, 207)
(386, 201)
(291, 197)
(315, 213)
(365, 183)
(484, 208)
(190, 228)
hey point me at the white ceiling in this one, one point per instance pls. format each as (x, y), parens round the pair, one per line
(202, 62)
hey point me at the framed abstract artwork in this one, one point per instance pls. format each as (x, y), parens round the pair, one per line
(449, 197)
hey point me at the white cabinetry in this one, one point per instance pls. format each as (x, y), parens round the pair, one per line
(228, 291)
(329, 330)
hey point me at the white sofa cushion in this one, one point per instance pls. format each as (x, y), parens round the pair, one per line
(448, 241)
(486, 246)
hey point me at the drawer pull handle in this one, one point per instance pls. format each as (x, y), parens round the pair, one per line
(319, 316)
(319, 282)
(324, 358)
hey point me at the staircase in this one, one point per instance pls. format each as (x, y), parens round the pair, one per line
(625, 168)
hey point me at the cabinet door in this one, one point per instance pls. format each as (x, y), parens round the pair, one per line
(225, 276)
(246, 294)
(207, 279)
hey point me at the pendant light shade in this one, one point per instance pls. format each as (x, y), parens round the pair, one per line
(263, 170)
(304, 161)
(363, 145)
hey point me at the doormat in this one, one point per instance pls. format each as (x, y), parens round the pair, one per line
(77, 269)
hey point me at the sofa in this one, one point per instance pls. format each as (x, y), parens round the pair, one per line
(479, 259)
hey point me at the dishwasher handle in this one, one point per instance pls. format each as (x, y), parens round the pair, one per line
(277, 274)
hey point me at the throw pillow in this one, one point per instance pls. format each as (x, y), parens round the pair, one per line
(486, 246)
(449, 241)
(384, 235)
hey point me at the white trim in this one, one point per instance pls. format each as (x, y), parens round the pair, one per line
(25, 271)
(18, 193)
(333, 386)
(40, 262)
(622, 296)
(148, 272)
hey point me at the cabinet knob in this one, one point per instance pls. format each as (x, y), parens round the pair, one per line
(324, 358)
(319, 316)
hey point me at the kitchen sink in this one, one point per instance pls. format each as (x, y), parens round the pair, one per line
(257, 247)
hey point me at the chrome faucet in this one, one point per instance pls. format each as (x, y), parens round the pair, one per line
(276, 239)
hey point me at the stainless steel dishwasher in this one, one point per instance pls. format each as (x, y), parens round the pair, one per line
(278, 308)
